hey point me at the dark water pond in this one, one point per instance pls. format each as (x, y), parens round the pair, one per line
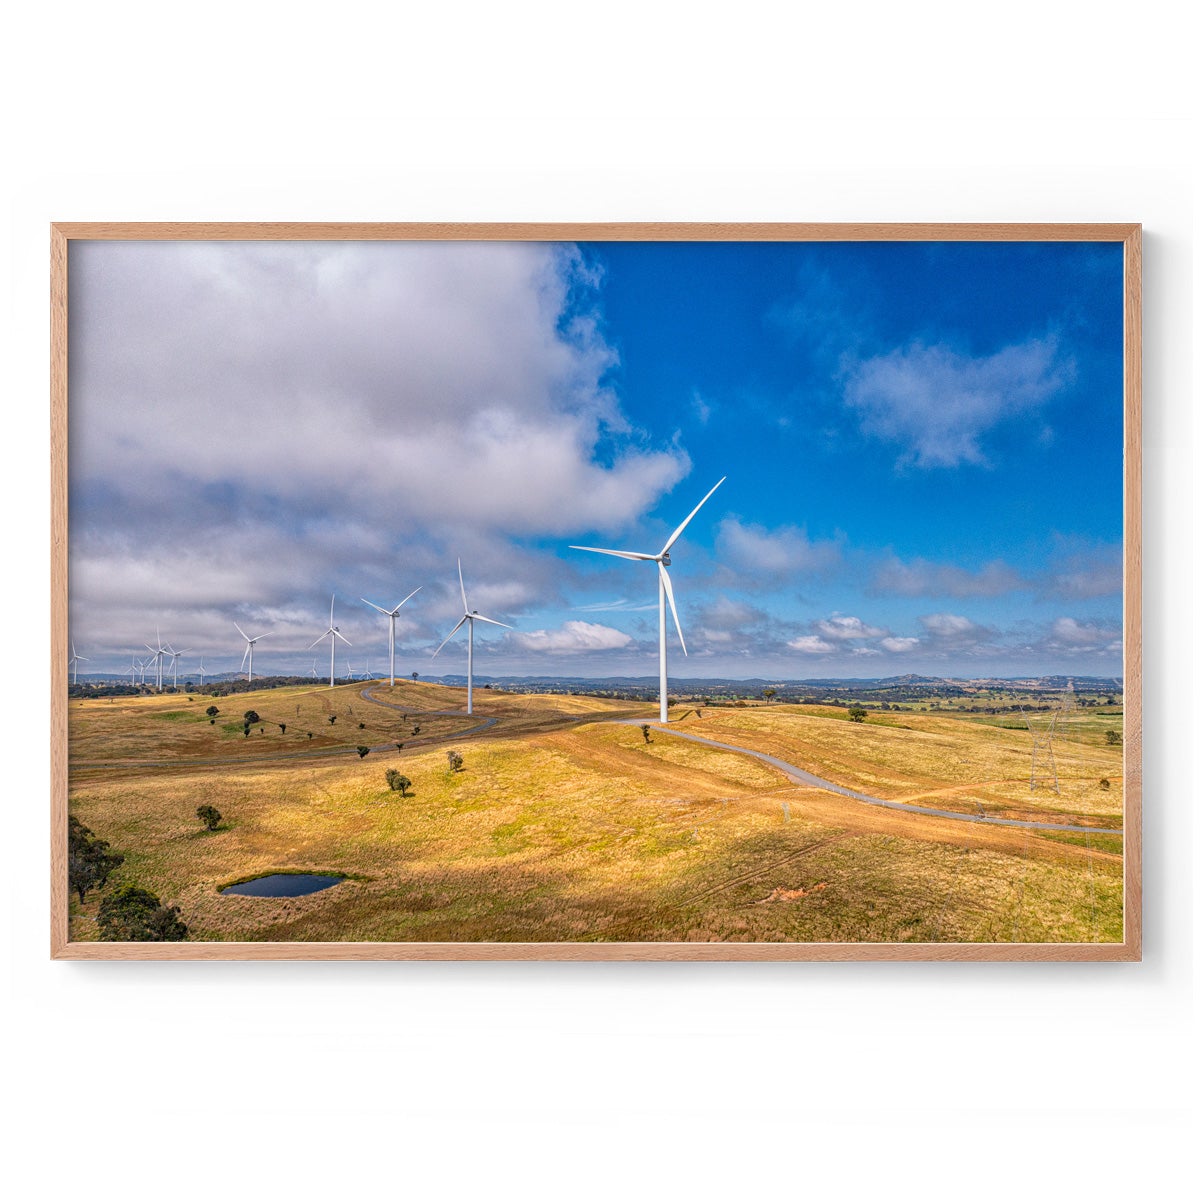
(282, 885)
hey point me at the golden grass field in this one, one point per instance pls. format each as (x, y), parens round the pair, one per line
(564, 827)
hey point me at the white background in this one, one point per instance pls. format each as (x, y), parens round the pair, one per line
(448, 1079)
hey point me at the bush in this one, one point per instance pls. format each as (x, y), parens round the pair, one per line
(211, 711)
(455, 760)
(132, 914)
(646, 734)
(1112, 737)
(397, 782)
(363, 751)
(251, 717)
(857, 713)
(1104, 785)
(89, 863)
(361, 725)
(332, 718)
(209, 815)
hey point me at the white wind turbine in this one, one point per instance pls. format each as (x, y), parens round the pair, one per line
(158, 653)
(332, 633)
(468, 618)
(314, 668)
(202, 670)
(76, 659)
(134, 667)
(391, 614)
(176, 655)
(249, 651)
(665, 595)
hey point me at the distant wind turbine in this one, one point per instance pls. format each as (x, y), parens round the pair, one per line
(391, 614)
(468, 618)
(202, 670)
(158, 653)
(176, 655)
(76, 659)
(665, 595)
(133, 668)
(332, 633)
(314, 668)
(249, 652)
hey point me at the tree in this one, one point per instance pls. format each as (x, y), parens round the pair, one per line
(332, 718)
(209, 815)
(246, 729)
(769, 694)
(414, 674)
(646, 734)
(857, 713)
(399, 746)
(250, 717)
(89, 862)
(132, 914)
(1112, 737)
(397, 782)
(1104, 785)
(363, 751)
(211, 711)
(454, 759)
(361, 725)
(282, 728)
(416, 730)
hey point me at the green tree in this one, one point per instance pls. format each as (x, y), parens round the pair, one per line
(769, 694)
(251, 717)
(363, 751)
(89, 860)
(455, 760)
(333, 718)
(646, 734)
(209, 815)
(1112, 737)
(399, 746)
(1104, 785)
(211, 711)
(282, 727)
(397, 782)
(132, 914)
(857, 713)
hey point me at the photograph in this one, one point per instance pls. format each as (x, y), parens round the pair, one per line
(597, 592)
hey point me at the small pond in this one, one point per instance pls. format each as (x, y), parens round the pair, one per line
(282, 885)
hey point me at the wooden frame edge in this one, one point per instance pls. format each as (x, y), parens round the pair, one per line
(1130, 950)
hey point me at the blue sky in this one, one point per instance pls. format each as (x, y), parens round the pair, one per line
(922, 445)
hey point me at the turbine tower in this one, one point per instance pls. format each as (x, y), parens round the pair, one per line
(468, 619)
(176, 655)
(202, 670)
(158, 653)
(391, 614)
(665, 595)
(76, 659)
(249, 652)
(332, 633)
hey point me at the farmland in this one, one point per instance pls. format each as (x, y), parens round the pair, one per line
(563, 825)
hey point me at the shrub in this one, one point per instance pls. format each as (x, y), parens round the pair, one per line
(454, 759)
(397, 782)
(857, 713)
(1104, 785)
(363, 751)
(1112, 737)
(361, 725)
(211, 711)
(646, 734)
(250, 717)
(332, 718)
(132, 914)
(89, 862)
(209, 815)
(282, 728)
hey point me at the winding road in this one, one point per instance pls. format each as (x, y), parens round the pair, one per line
(810, 780)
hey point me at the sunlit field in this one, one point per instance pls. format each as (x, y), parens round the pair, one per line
(564, 826)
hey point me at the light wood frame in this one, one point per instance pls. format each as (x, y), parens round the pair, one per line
(1130, 235)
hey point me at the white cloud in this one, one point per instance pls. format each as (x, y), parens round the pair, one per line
(920, 577)
(810, 644)
(773, 555)
(900, 645)
(847, 629)
(937, 405)
(575, 637)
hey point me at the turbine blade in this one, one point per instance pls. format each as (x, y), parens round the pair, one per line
(245, 655)
(331, 600)
(462, 587)
(477, 617)
(671, 539)
(240, 630)
(338, 633)
(619, 553)
(322, 637)
(462, 621)
(404, 601)
(666, 579)
(263, 635)
(375, 606)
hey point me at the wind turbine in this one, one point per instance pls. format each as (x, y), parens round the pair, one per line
(468, 618)
(158, 652)
(176, 655)
(314, 668)
(202, 670)
(391, 613)
(665, 595)
(76, 659)
(133, 668)
(249, 653)
(332, 633)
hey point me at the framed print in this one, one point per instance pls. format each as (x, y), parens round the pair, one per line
(679, 591)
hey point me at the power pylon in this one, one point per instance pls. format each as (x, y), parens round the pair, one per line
(1043, 751)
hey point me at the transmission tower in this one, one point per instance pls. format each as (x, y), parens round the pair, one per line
(1043, 751)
